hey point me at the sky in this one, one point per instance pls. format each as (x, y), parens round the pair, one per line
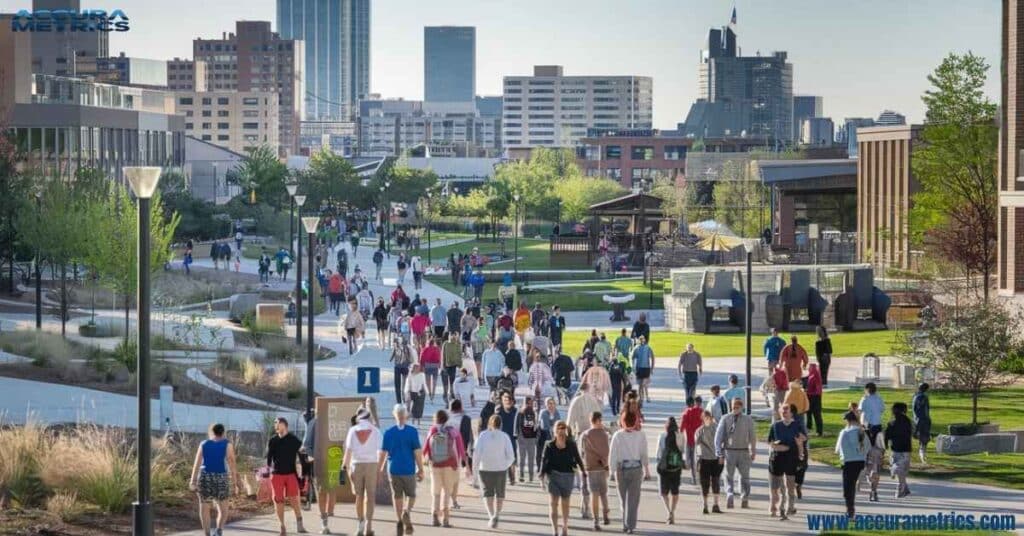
(861, 56)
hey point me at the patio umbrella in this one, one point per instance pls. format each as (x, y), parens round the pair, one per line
(719, 242)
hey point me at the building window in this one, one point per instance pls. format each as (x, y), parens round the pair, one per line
(250, 101)
(223, 113)
(188, 113)
(641, 173)
(614, 173)
(207, 101)
(250, 126)
(207, 113)
(222, 100)
(222, 137)
(250, 113)
(641, 152)
(223, 125)
(188, 126)
(185, 101)
(675, 152)
(613, 152)
(207, 137)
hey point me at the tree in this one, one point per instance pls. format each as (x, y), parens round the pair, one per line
(331, 181)
(577, 193)
(954, 213)
(970, 350)
(407, 184)
(674, 200)
(739, 201)
(113, 255)
(13, 200)
(262, 175)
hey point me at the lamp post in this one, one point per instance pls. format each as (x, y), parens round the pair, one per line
(310, 223)
(383, 231)
(292, 188)
(143, 181)
(299, 201)
(39, 275)
(430, 198)
(515, 237)
(216, 180)
(387, 218)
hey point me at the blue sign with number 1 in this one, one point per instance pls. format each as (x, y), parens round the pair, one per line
(368, 380)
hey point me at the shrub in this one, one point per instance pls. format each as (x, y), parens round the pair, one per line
(65, 505)
(281, 349)
(252, 372)
(44, 349)
(25, 449)
(99, 464)
(286, 379)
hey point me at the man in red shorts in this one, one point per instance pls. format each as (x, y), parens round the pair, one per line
(282, 457)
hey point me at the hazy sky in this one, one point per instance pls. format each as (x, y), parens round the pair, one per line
(861, 55)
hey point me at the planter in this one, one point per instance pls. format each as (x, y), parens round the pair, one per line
(968, 429)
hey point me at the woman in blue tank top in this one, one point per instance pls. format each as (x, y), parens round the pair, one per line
(212, 475)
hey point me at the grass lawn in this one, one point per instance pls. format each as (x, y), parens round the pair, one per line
(1000, 406)
(252, 251)
(568, 295)
(534, 254)
(845, 344)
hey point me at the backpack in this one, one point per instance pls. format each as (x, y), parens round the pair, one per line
(529, 425)
(514, 361)
(459, 357)
(441, 449)
(672, 460)
(402, 356)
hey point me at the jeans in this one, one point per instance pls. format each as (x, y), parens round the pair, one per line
(527, 456)
(615, 399)
(448, 376)
(630, 481)
(401, 373)
(377, 274)
(824, 362)
(690, 379)
(691, 451)
(814, 413)
(737, 459)
(851, 472)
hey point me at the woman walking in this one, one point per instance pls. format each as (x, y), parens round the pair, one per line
(416, 393)
(851, 445)
(823, 352)
(814, 392)
(443, 450)
(709, 466)
(380, 316)
(526, 437)
(355, 326)
(212, 476)
(922, 419)
(785, 440)
(430, 359)
(560, 461)
(671, 444)
(628, 456)
(492, 457)
(548, 417)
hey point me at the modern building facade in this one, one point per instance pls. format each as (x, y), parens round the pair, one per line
(1010, 250)
(443, 135)
(633, 156)
(186, 75)
(488, 106)
(127, 71)
(207, 169)
(817, 131)
(885, 187)
(238, 121)
(554, 110)
(738, 95)
(848, 133)
(256, 59)
(337, 48)
(449, 65)
(806, 107)
(62, 52)
(339, 137)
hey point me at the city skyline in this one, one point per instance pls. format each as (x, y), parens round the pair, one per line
(869, 57)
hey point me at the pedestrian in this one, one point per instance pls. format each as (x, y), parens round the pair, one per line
(494, 456)
(464, 424)
(643, 367)
(556, 326)
(493, 362)
(342, 262)
(401, 449)
(734, 390)
(617, 377)
(335, 291)
(238, 241)
(380, 317)
(736, 445)
(540, 380)
(453, 269)
(785, 443)
(401, 359)
(416, 263)
(353, 240)
(671, 445)
(477, 281)
(402, 264)
(922, 419)
(898, 435)
(526, 432)
(468, 324)
(213, 474)
(780, 385)
(378, 262)
(324, 490)
(507, 411)
(354, 326)
(773, 349)
(814, 394)
(709, 462)
(430, 359)
(559, 463)
(284, 263)
(690, 367)
(451, 355)
(823, 353)
(595, 447)
(689, 422)
(798, 402)
(581, 408)
(549, 415)
(264, 266)
(851, 445)
(362, 447)
(215, 255)
(282, 455)
(445, 453)
(871, 408)
(794, 359)
(873, 460)
(628, 456)
(717, 404)
(522, 319)
(453, 320)
(419, 326)
(416, 392)
(641, 328)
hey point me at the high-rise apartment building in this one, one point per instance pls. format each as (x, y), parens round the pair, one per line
(554, 110)
(449, 66)
(123, 70)
(236, 120)
(63, 52)
(1010, 251)
(805, 107)
(256, 59)
(186, 75)
(337, 47)
(748, 96)
(390, 134)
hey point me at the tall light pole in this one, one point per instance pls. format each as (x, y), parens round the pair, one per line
(143, 181)
(387, 217)
(515, 236)
(293, 188)
(299, 201)
(310, 223)
(39, 259)
(430, 199)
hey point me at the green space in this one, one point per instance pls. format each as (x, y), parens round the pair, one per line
(671, 344)
(252, 251)
(569, 296)
(533, 254)
(998, 405)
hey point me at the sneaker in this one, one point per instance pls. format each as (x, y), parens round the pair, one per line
(705, 509)
(773, 513)
(401, 528)
(407, 521)
(284, 531)
(873, 497)
(496, 519)
(783, 517)
(716, 510)
(299, 528)
(671, 520)
(446, 524)
(791, 511)
(325, 530)
(607, 521)
(744, 504)
(437, 522)
(728, 502)
(455, 505)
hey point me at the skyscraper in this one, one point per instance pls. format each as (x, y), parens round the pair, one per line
(337, 37)
(449, 65)
(805, 107)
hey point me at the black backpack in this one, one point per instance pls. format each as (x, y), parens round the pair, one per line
(514, 360)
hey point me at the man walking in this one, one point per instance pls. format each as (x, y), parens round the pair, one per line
(493, 362)
(690, 368)
(451, 357)
(922, 419)
(400, 450)
(643, 366)
(556, 325)
(581, 409)
(378, 261)
(794, 359)
(282, 456)
(734, 390)
(595, 446)
(871, 408)
(454, 319)
(736, 445)
(438, 318)
(362, 445)
(773, 349)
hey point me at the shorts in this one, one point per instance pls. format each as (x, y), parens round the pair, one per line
(214, 486)
(438, 331)
(351, 332)
(668, 482)
(444, 479)
(494, 483)
(364, 479)
(561, 484)
(284, 486)
(643, 373)
(403, 486)
(899, 464)
(598, 481)
(431, 371)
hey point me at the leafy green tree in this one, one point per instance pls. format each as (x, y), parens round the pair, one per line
(262, 177)
(577, 193)
(331, 181)
(674, 199)
(954, 212)
(740, 202)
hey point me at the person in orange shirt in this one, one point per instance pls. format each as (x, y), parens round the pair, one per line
(522, 320)
(794, 359)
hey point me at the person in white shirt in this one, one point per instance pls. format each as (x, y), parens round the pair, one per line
(628, 458)
(492, 457)
(717, 405)
(493, 362)
(464, 387)
(580, 410)
(871, 409)
(362, 446)
(417, 271)
(416, 392)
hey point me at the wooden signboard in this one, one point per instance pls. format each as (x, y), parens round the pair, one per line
(334, 418)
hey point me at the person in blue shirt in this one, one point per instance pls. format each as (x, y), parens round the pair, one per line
(773, 349)
(400, 451)
(734, 390)
(643, 364)
(851, 445)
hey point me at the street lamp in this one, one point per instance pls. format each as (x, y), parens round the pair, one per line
(430, 198)
(383, 231)
(387, 218)
(143, 181)
(39, 275)
(299, 201)
(310, 223)
(515, 237)
(292, 188)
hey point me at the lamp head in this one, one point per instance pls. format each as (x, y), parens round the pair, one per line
(292, 187)
(143, 180)
(300, 200)
(310, 223)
